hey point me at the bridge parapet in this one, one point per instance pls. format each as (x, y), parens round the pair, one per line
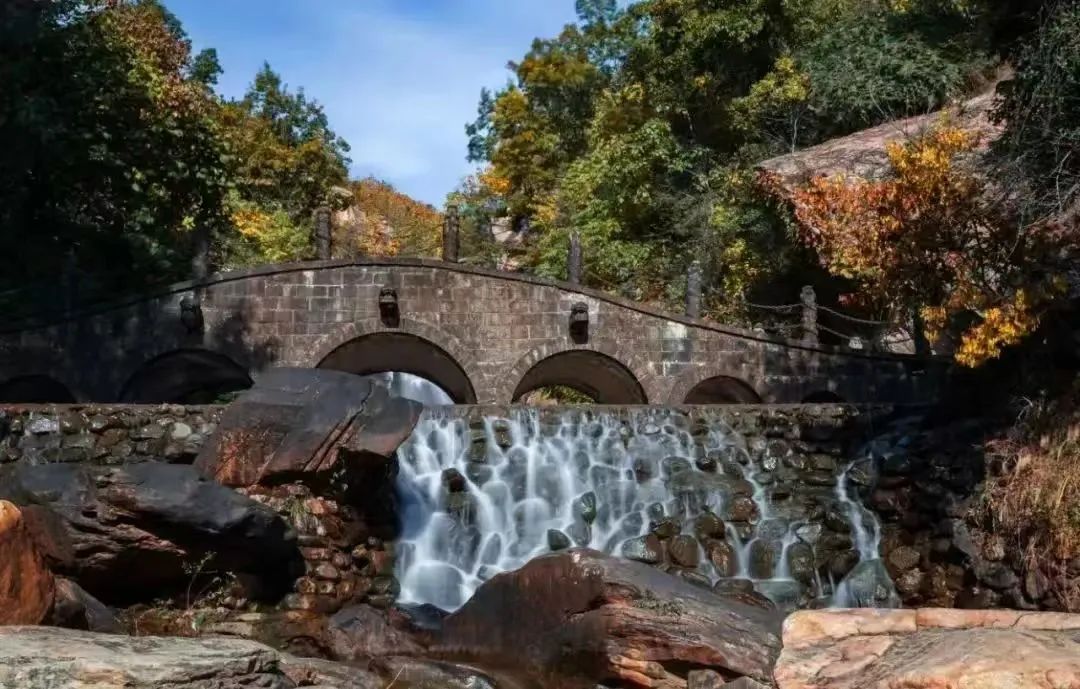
(484, 336)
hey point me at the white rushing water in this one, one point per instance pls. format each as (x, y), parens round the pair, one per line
(869, 584)
(412, 387)
(475, 503)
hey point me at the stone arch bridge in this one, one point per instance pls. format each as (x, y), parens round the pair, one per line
(483, 336)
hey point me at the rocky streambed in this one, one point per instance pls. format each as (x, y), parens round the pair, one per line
(342, 537)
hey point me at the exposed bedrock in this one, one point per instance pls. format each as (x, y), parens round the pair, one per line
(929, 649)
(579, 618)
(45, 658)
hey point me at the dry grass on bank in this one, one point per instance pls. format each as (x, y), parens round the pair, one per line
(1032, 494)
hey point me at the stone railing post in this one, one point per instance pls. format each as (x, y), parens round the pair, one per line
(451, 230)
(918, 334)
(573, 260)
(809, 315)
(200, 256)
(323, 234)
(693, 290)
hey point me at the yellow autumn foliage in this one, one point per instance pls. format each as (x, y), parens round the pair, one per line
(266, 236)
(925, 238)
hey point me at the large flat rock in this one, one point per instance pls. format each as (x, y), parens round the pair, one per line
(579, 618)
(929, 649)
(301, 424)
(48, 658)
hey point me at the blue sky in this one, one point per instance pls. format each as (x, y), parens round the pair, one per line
(398, 78)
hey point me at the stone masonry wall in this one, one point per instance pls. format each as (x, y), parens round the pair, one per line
(938, 544)
(104, 434)
(922, 485)
(750, 502)
(345, 561)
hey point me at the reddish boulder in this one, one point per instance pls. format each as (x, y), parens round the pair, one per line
(579, 618)
(361, 632)
(27, 587)
(301, 423)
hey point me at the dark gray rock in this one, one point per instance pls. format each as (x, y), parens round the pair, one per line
(453, 481)
(704, 679)
(584, 507)
(299, 424)
(131, 531)
(647, 549)
(74, 608)
(557, 540)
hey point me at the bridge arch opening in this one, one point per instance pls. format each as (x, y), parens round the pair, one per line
(399, 360)
(37, 389)
(722, 390)
(597, 376)
(186, 376)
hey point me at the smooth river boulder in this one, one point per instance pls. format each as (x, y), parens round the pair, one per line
(929, 649)
(578, 618)
(144, 531)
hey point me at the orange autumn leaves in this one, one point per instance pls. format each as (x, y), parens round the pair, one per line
(926, 238)
(382, 221)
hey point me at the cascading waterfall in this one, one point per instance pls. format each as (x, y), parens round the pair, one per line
(412, 387)
(868, 585)
(480, 499)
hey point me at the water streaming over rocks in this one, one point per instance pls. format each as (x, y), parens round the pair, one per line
(413, 387)
(709, 496)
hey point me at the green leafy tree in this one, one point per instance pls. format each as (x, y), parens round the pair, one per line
(638, 126)
(285, 162)
(1040, 109)
(111, 156)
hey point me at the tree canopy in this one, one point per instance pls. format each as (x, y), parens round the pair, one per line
(123, 166)
(639, 128)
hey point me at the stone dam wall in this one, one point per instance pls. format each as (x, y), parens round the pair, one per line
(749, 499)
(104, 434)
